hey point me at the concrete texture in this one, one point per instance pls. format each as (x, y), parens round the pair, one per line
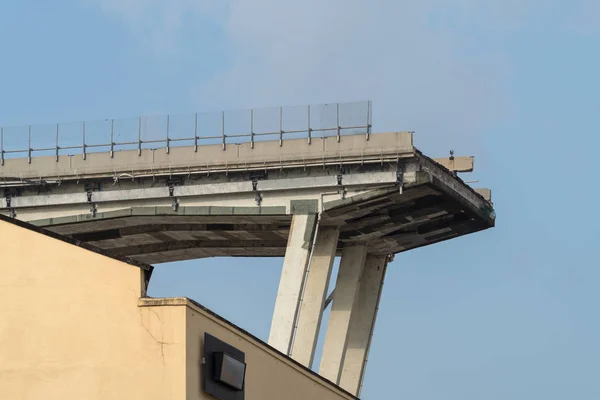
(291, 282)
(212, 158)
(485, 193)
(315, 292)
(362, 323)
(457, 164)
(346, 294)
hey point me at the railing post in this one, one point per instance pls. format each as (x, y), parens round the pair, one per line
(337, 118)
(223, 129)
(368, 119)
(112, 138)
(309, 128)
(251, 128)
(83, 136)
(139, 136)
(29, 147)
(1, 146)
(57, 142)
(168, 139)
(196, 132)
(280, 126)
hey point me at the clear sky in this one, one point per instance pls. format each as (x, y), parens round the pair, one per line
(510, 313)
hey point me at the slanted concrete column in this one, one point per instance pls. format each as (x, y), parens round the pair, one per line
(315, 292)
(292, 279)
(362, 323)
(346, 293)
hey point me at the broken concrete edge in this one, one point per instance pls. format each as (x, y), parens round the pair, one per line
(430, 163)
(159, 211)
(195, 306)
(441, 179)
(147, 268)
(483, 209)
(457, 163)
(486, 193)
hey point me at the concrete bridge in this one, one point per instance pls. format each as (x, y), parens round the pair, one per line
(363, 197)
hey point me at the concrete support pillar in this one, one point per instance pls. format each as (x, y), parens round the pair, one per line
(315, 292)
(346, 293)
(292, 279)
(362, 323)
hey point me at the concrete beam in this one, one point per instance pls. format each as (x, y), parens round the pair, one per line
(329, 299)
(362, 323)
(486, 193)
(346, 293)
(457, 164)
(213, 158)
(206, 189)
(292, 280)
(158, 246)
(313, 300)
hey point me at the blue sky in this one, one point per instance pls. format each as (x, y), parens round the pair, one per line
(507, 313)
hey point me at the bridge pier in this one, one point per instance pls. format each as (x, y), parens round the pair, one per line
(346, 292)
(364, 314)
(297, 255)
(315, 293)
(301, 297)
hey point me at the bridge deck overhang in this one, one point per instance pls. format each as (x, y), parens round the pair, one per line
(380, 192)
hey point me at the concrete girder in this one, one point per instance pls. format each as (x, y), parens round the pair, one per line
(207, 189)
(386, 220)
(160, 246)
(212, 159)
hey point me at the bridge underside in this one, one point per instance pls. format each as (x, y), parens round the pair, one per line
(389, 221)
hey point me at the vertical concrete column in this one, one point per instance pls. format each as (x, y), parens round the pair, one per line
(315, 292)
(346, 294)
(362, 323)
(292, 279)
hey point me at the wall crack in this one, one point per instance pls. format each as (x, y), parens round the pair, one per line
(160, 341)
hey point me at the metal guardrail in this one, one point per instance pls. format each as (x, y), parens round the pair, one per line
(324, 120)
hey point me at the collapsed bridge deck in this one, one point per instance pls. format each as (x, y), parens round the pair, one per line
(168, 207)
(363, 197)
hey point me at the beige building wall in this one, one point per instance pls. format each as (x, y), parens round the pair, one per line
(70, 327)
(269, 374)
(73, 326)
